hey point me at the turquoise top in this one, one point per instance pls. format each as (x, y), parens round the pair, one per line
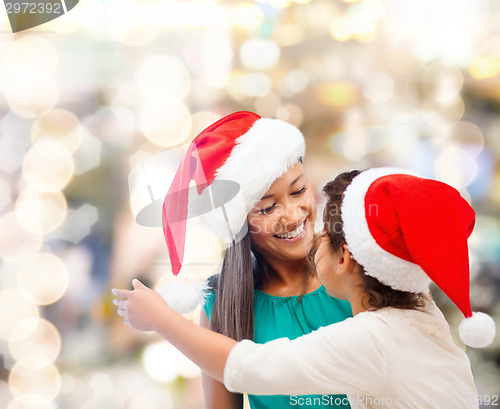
(278, 317)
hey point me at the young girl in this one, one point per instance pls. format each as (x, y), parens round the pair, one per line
(387, 234)
(267, 288)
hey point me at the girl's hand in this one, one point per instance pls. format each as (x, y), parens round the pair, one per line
(141, 307)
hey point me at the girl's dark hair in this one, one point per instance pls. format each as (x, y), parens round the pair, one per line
(233, 310)
(378, 295)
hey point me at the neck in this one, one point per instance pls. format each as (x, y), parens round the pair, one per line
(287, 278)
(356, 301)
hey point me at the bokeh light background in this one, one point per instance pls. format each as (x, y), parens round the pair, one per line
(96, 107)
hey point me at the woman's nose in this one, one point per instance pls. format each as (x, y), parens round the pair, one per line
(291, 215)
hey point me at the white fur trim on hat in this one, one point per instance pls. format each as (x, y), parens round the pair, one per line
(390, 270)
(261, 155)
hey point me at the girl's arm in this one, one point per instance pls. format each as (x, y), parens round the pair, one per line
(146, 310)
(215, 393)
(340, 358)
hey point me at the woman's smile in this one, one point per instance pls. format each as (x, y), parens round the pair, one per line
(295, 235)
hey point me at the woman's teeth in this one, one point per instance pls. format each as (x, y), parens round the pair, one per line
(292, 234)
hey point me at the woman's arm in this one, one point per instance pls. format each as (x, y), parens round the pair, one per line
(215, 393)
(146, 310)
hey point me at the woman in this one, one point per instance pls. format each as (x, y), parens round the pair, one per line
(387, 235)
(267, 288)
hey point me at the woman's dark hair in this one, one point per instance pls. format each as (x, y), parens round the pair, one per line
(233, 310)
(378, 295)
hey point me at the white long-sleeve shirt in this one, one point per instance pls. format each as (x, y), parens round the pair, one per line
(388, 358)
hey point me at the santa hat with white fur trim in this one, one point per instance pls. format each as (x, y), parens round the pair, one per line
(241, 149)
(406, 231)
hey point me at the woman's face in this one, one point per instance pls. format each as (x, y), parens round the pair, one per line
(281, 224)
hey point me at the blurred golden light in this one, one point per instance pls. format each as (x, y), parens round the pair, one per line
(456, 167)
(152, 397)
(290, 113)
(30, 401)
(279, 4)
(163, 76)
(203, 254)
(153, 358)
(234, 88)
(292, 83)
(5, 196)
(256, 85)
(41, 97)
(268, 105)
(466, 135)
(44, 278)
(486, 66)
(338, 94)
(150, 179)
(440, 115)
(210, 57)
(64, 24)
(58, 125)
(494, 192)
(340, 29)
(44, 341)
(441, 83)
(16, 243)
(128, 23)
(378, 87)
(289, 34)
(367, 36)
(247, 16)
(317, 16)
(46, 53)
(301, 1)
(201, 120)
(4, 22)
(18, 66)
(19, 307)
(115, 125)
(48, 166)
(259, 54)
(35, 376)
(91, 14)
(41, 212)
(88, 155)
(165, 121)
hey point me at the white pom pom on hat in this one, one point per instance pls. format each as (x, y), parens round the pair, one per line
(478, 330)
(183, 297)
(413, 231)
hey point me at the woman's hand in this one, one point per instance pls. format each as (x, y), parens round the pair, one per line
(141, 307)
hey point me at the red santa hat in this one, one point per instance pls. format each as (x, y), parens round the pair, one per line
(407, 231)
(241, 150)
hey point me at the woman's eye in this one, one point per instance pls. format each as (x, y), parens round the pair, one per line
(267, 210)
(299, 192)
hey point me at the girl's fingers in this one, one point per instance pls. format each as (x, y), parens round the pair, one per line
(122, 304)
(121, 293)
